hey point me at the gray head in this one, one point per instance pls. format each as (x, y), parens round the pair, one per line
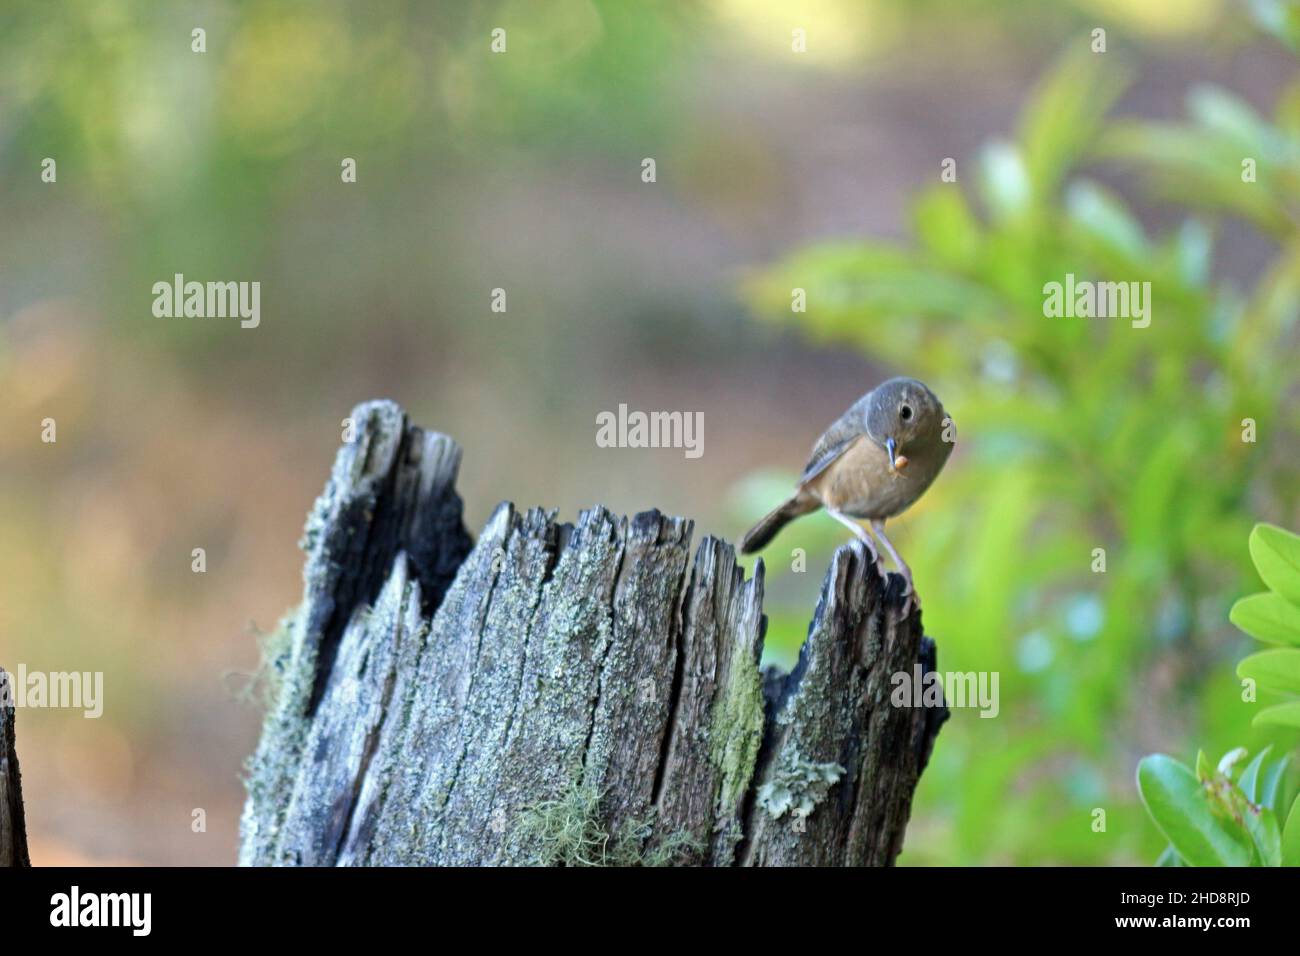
(903, 416)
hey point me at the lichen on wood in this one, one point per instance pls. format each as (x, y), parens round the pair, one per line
(558, 688)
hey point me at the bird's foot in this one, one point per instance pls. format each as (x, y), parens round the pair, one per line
(911, 600)
(877, 562)
(862, 535)
(880, 568)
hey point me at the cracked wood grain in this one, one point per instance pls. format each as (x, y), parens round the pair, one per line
(436, 700)
(13, 829)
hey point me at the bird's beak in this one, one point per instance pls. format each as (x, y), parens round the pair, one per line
(892, 447)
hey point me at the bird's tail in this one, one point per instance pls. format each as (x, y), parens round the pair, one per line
(767, 529)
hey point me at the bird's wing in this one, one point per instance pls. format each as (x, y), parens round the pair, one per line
(833, 443)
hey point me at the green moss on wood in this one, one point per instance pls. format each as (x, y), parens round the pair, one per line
(737, 732)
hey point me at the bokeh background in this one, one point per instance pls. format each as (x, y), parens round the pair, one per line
(775, 170)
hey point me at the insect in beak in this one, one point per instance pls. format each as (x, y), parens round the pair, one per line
(897, 462)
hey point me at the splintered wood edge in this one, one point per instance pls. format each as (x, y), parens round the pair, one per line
(13, 831)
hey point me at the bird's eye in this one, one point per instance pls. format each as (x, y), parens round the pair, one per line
(905, 412)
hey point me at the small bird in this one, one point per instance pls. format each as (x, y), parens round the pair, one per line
(873, 463)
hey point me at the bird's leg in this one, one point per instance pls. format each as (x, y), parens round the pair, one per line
(857, 529)
(861, 534)
(908, 591)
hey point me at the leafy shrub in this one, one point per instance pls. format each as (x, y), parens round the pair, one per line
(1274, 617)
(1216, 816)
(1222, 816)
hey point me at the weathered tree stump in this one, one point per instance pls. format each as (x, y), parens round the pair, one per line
(567, 694)
(13, 829)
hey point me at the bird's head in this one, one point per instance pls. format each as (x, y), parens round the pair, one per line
(902, 416)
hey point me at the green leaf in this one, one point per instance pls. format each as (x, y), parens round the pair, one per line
(1170, 857)
(947, 227)
(1282, 715)
(1287, 111)
(1276, 554)
(1178, 805)
(1291, 836)
(1204, 769)
(1280, 18)
(1226, 113)
(1193, 249)
(1250, 776)
(1271, 781)
(1277, 670)
(1105, 216)
(1261, 824)
(1004, 180)
(1267, 617)
(1064, 115)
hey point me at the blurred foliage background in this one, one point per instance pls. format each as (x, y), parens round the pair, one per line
(776, 170)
